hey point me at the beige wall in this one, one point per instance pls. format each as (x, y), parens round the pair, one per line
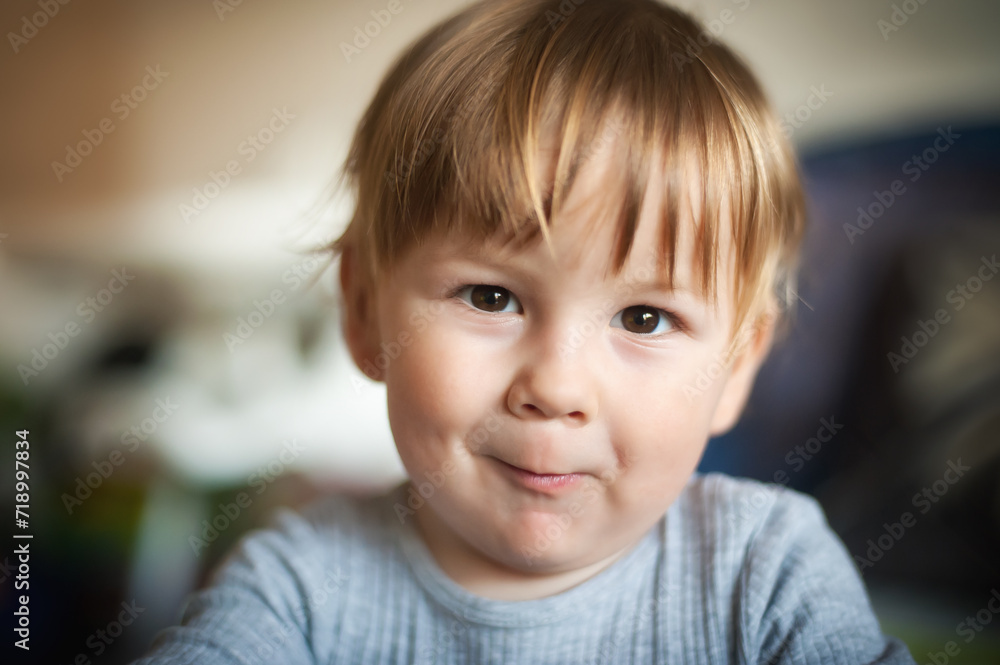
(227, 74)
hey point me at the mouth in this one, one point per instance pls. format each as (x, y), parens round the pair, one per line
(548, 483)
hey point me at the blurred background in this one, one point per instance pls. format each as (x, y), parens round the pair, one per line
(173, 349)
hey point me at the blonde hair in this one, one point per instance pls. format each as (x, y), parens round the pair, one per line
(449, 142)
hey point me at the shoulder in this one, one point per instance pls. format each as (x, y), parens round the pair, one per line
(339, 517)
(318, 520)
(770, 528)
(732, 514)
(759, 535)
(319, 545)
(721, 527)
(296, 588)
(792, 586)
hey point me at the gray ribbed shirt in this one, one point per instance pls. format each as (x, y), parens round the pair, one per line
(735, 572)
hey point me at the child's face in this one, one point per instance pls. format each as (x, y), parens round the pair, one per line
(552, 415)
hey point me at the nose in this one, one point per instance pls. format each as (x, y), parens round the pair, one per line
(554, 382)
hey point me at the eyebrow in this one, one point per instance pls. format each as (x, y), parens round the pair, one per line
(476, 253)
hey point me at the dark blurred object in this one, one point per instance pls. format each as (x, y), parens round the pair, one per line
(896, 225)
(927, 412)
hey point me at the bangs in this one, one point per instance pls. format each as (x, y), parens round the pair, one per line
(454, 140)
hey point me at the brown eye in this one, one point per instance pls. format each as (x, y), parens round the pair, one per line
(489, 298)
(641, 320)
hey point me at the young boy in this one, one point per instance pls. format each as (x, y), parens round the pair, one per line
(576, 224)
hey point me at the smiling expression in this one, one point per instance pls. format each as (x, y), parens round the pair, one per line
(551, 393)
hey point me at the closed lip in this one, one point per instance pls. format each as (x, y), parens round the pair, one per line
(544, 482)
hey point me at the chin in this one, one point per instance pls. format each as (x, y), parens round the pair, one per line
(540, 551)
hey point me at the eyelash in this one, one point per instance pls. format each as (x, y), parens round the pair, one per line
(677, 324)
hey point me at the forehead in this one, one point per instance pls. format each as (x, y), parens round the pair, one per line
(586, 225)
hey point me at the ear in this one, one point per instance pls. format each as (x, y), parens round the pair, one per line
(750, 349)
(360, 321)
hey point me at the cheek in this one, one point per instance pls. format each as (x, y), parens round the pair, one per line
(665, 414)
(436, 394)
(664, 443)
(661, 435)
